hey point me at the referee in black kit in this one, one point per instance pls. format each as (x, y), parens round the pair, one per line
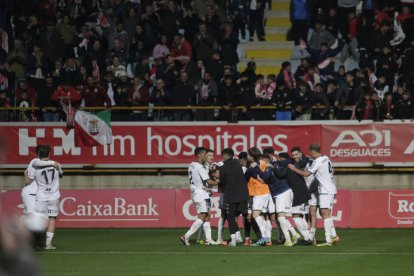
(234, 188)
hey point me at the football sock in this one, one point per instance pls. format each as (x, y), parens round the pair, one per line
(262, 225)
(200, 233)
(49, 238)
(194, 227)
(302, 228)
(328, 224)
(269, 229)
(312, 233)
(238, 236)
(291, 228)
(284, 226)
(256, 229)
(207, 230)
(220, 227)
(233, 238)
(306, 229)
(333, 230)
(247, 227)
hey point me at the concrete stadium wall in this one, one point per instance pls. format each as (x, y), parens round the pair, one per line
(344, 181)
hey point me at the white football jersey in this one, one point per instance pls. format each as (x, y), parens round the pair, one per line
(309, 179)
(48, 181)
(323, 171)
(31, 189)
(198, 175)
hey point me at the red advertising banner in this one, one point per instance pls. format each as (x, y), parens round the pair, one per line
(162, 145)
(107, 208)
(140, 208)
(172, 144)
(369, 143)
(382, 209)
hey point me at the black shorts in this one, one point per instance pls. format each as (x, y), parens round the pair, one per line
(237, 207)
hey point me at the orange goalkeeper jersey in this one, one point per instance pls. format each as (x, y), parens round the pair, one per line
(256, 187)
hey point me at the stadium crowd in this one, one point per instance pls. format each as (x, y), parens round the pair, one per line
(131, 53)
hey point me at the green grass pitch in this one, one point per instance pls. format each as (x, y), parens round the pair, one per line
(160, 252)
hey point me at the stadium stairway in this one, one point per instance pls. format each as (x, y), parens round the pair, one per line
(270, 54)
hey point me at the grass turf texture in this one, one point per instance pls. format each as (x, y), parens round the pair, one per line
(160, 252)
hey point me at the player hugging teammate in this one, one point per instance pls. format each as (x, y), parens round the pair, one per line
(280, 186)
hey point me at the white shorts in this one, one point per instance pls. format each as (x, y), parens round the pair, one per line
(326, 201)
(314, 201)
(261, 202)
(271, 207)
(284, 202)
(203, 206)
(49, 208)
(300, 209)
(29, 202)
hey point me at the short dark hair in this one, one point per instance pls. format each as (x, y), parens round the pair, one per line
(243, 155)
(315, 147)
(209, 150)
(254, 152)
(296, 148)
(228, 151)
(266, 156)
(198, 150)
(37, 149)
(269, 150)
(44, 151)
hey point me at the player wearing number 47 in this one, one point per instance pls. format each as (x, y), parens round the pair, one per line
(47, 198)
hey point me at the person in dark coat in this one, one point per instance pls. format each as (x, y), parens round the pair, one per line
(234, 187)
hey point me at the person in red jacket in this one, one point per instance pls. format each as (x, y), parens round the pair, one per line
(94, 95)
(65, 92)
(181, 49)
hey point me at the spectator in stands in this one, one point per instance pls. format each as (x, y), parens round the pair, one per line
(118, 51)
(212, 21)
(282, 99)
(405, 107)
(49, 109)
(256, 20)
(161, 50)
(228, 98)
(116, 67)
(302, 69)
(324, 58)
(388, 108)
(93, 94)
(330, 21)
(203, 43)
(121, 97)
(159, 96)
(320, 104)
(183, 94)
(387, 65)
(320, 36)
(17, 59)
(285, 76)
(349, 94)
(68, 32)
(70, 72)
(228, 47)
(351, 41)
(206, 90)
(138, 95)
(30, 94)
(299, 16)
(181, 50)
(301, 102)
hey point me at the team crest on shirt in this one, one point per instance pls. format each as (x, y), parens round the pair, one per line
(93, 126)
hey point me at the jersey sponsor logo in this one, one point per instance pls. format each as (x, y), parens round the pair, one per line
(401, 207)
(364, 143)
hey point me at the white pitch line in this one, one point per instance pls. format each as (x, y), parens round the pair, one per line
(219, 253)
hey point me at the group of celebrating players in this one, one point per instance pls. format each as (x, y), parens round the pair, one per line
(265, 189)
